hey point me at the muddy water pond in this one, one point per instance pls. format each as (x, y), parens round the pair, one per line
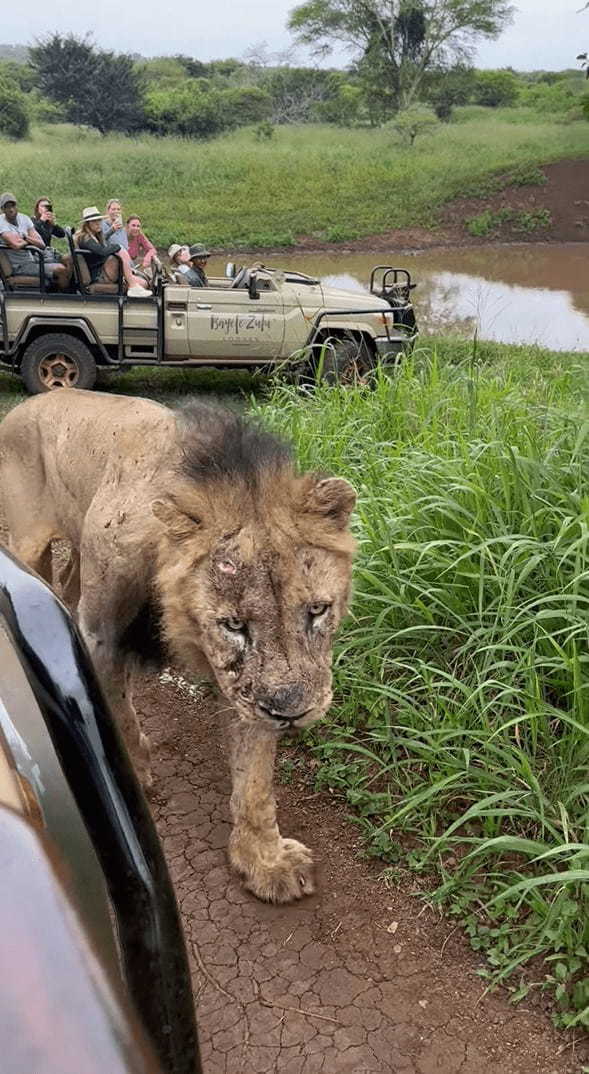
(528, 293)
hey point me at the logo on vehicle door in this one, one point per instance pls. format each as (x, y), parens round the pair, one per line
(235, 323)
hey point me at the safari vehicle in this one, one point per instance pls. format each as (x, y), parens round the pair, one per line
(90, 938)
(252, 317)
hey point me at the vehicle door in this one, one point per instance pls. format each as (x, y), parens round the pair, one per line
(175, 301)
(224, 322)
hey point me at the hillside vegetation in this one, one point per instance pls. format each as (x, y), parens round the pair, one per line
(334, 184)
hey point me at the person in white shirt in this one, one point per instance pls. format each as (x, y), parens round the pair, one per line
(17, 231)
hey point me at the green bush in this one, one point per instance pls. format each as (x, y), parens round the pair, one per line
(520, 221)
(14, 119)
(558, 97)
(495, 89)
(194, 110)
(410, 123)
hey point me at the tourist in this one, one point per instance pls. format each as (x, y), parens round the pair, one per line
(101, 256)
(17, 231)
(139, 246)
(112, 225)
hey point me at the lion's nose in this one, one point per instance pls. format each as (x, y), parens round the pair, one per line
(283, 703)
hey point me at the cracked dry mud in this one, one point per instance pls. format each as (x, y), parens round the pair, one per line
(320, 987)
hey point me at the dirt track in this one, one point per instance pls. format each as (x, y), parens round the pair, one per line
(331, 985)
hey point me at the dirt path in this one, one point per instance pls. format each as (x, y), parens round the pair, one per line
(358, 979)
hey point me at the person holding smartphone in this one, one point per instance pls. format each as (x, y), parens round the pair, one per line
(113, 228)
(44, 221)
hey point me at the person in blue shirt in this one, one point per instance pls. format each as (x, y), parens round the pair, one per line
(113, 227)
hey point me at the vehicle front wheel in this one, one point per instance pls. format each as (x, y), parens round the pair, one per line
(57, 361)
(345, 361)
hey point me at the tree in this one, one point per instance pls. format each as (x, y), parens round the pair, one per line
(400, 39)
(97, 88)
(496, 89)
(444, 88)
(14, 120)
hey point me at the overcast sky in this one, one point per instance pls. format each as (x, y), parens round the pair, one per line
(545, 33)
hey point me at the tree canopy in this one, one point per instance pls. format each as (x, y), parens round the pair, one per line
(97, 88)
(399, 39)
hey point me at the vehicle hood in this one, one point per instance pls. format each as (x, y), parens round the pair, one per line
(342, 298)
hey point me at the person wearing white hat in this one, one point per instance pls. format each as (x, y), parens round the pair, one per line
(99, 255)
(180, 262)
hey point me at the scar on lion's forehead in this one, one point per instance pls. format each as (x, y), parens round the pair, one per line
(226, 566)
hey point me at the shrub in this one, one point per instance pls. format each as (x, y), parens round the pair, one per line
(520, 221)
(558, 97)
(264, 131)
(410, 123)
(495, 89)
(14, 119)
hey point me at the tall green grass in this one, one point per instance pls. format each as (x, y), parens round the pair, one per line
(461, 731)
(320, 181)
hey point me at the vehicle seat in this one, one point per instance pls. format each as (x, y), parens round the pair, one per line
(85, 279)
(12, 282)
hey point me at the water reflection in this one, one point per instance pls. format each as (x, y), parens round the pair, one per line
(513, 294)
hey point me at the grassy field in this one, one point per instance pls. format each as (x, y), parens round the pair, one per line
(331, 183)
(460, 732)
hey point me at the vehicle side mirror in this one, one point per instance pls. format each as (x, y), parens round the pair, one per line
(230, 270)
(253, 285)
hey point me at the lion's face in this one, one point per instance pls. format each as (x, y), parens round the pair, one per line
(262, 603)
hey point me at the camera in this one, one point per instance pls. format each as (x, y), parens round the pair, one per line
(49, 208)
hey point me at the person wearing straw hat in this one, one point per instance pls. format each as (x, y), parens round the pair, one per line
(100, 255)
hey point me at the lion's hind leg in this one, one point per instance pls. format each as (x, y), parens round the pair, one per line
(29, 516)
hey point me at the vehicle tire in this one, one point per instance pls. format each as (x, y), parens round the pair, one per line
(346, 361)
(57, 360)
(341, 363)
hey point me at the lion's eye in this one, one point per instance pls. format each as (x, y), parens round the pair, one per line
(236, 626)
(315, 610)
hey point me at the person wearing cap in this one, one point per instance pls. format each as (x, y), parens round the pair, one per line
(199, 256)
(100, 255)
(17, 231)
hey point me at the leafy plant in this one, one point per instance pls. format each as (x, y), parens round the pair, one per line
(411, 123)
(520, 221)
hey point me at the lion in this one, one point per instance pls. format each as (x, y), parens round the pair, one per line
(192, 535)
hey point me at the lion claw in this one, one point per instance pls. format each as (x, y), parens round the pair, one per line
(282, 878)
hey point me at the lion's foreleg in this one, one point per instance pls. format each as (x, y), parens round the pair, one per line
(275, 869)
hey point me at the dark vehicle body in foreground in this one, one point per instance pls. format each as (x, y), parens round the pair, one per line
(65, 776)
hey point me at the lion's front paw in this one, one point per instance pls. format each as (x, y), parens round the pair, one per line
(280, 873)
